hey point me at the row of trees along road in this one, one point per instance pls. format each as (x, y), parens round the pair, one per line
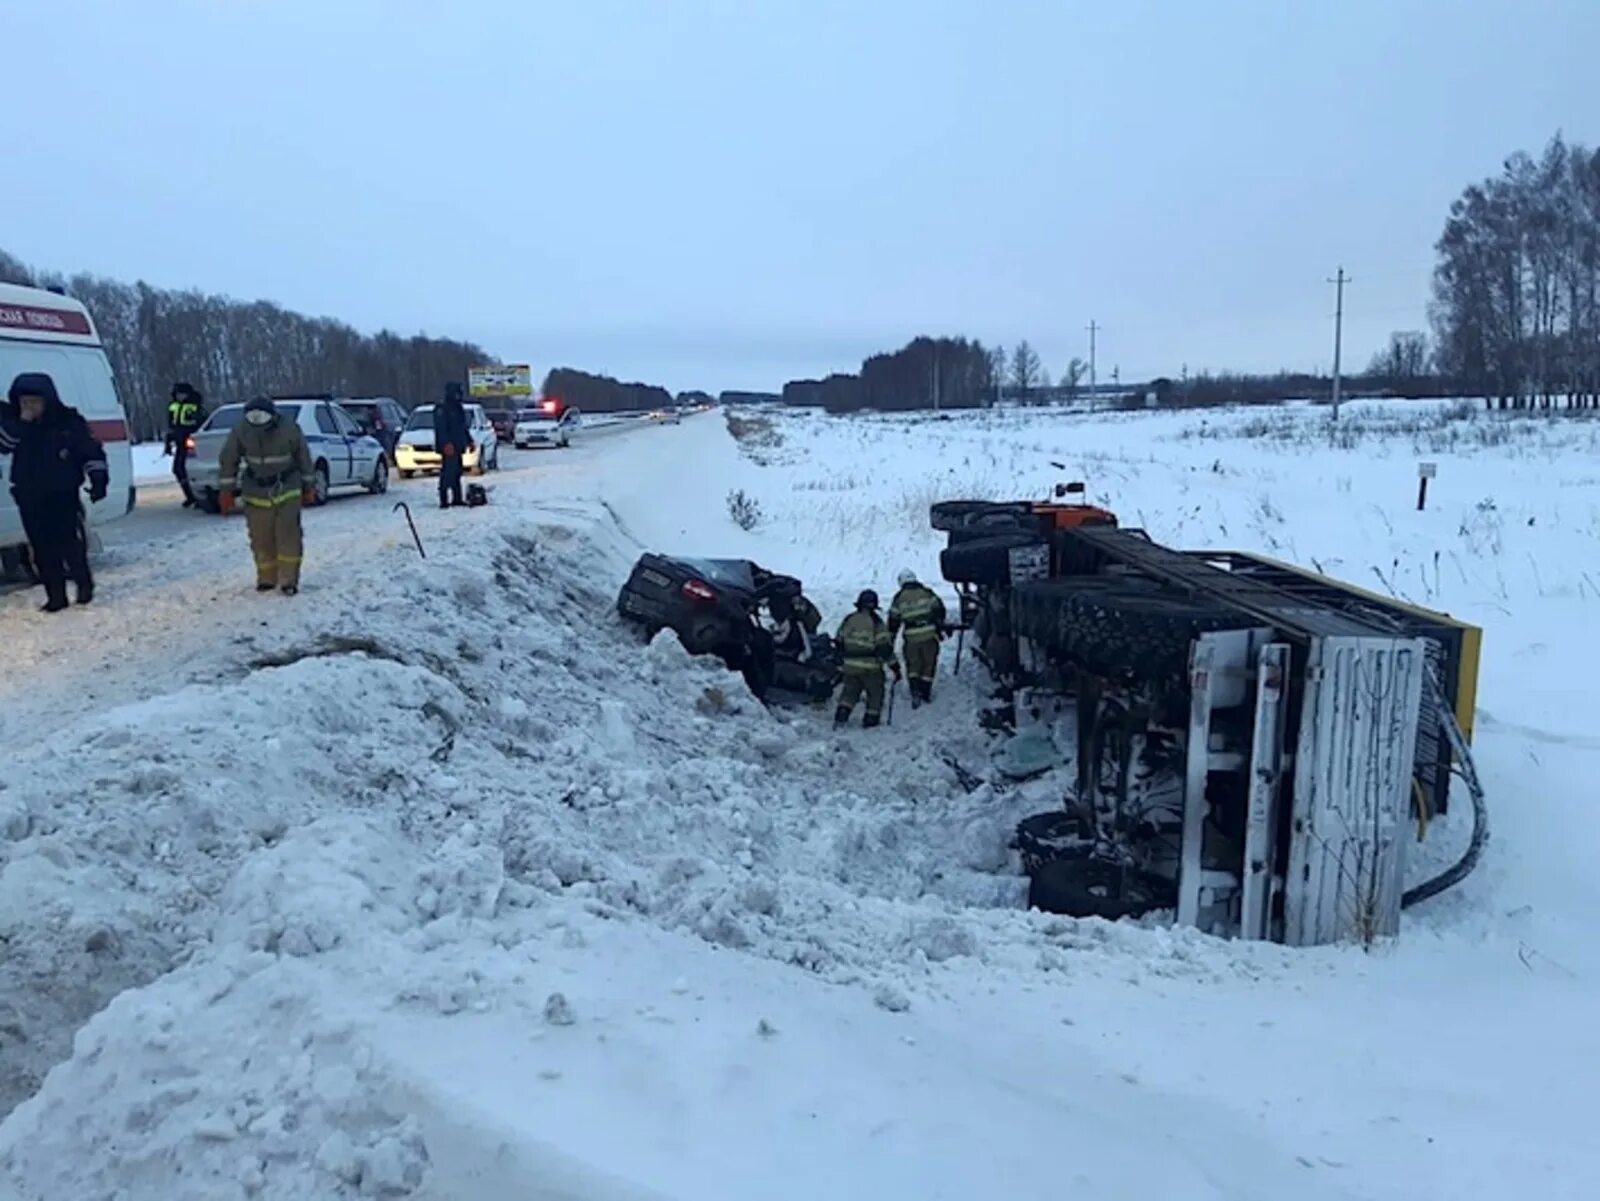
(1516, 288)
(602, 394)
(232, 350)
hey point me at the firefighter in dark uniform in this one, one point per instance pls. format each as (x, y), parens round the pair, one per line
(452, 439)
(867, 648)
(53, 452)
(186, 413)
(919, 613)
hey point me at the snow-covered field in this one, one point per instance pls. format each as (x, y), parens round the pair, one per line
(434, 882)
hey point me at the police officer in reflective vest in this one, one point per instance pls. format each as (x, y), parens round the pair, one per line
(867, 647)
(266, 456)
(186, 413)
(920, 614)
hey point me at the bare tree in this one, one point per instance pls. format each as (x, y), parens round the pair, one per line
(1404, 360)
(998, 363)
(1026, 369)
(1072, 377)
(1516, 288)
(232, 350)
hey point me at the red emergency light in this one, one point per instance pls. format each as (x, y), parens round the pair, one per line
(551, 406)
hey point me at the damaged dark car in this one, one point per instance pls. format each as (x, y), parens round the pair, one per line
(725, 607)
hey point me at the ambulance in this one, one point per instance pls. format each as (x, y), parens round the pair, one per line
(46, 331)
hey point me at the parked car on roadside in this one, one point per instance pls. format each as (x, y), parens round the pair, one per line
(342, 456)
(547, 426)
(380, 416)
(416, 454)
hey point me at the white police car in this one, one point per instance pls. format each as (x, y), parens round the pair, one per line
(342, 456)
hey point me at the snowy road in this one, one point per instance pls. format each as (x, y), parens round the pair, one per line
(175, 584)
(435, 883)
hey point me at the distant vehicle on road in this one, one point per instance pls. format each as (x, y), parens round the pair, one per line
(380, 416)
(668, 416)
(551, 424)
(416, 454)
(45, 331)
(342, 456)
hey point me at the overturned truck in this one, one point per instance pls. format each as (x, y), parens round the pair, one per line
(1255, 745)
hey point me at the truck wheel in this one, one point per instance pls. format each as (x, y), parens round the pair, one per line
(949, 515)
(1122, 627)
(984, 560)
(1099, 888)
(1046, 837)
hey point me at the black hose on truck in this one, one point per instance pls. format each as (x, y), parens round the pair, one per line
(1468, 772)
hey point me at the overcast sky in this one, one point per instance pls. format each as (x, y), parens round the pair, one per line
(730, 193)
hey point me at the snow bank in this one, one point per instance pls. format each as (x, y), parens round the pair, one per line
(151, 465)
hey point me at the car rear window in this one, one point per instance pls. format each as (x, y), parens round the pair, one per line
(229, 416)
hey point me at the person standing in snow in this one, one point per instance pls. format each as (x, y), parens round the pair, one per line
(268, 460)
(185, 414)
(917, 614)
(52, 453)
(452, 440)
(868, 648)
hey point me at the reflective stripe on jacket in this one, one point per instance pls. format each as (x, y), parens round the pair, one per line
(918, 610)
(270, 463)
(865, 641)
(183, 416)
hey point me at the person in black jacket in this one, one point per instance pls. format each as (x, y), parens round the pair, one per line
(186, 413)
(451, 439)
(52, 453)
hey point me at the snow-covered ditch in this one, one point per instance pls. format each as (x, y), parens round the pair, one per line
(398, 809)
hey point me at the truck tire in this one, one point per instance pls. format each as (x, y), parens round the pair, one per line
(949, 515)
(1121, 627)
(1091, 887)
(984, 560)
(993, 525)
(1046, 837)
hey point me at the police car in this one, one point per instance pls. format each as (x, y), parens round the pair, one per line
(342, 456)
(551, 424)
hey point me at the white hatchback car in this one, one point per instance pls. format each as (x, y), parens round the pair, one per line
(415, 452)
(547, 426)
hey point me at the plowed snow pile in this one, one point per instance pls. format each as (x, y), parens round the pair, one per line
(443, 884)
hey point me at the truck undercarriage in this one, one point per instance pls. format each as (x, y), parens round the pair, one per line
(1252, 744)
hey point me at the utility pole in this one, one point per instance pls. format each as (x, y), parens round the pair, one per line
(1093, 329)
(1340, 281)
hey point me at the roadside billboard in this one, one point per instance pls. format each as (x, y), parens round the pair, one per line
(513, 379)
